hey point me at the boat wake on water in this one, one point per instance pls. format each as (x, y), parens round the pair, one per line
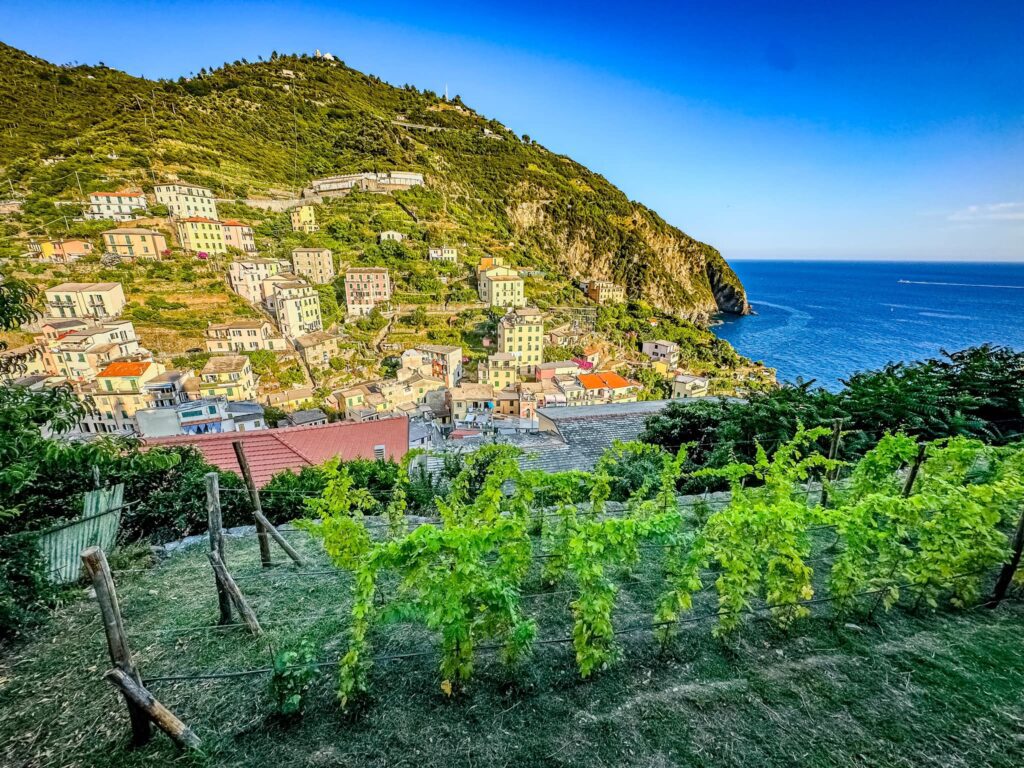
(960, 285)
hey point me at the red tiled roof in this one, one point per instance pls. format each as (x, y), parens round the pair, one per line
(233, 223)
(270, 451)
(124, 369)
(201, 219)
(603, 380)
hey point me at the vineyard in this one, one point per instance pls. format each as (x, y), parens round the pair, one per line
(535, 594)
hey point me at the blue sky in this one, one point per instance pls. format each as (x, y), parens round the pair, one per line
(771, 130)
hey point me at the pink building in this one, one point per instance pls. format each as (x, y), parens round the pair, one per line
(365, 288)
(238, 235)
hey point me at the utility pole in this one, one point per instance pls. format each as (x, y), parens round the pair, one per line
(79, 181)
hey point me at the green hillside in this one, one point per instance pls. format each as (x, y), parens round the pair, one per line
(264, 129)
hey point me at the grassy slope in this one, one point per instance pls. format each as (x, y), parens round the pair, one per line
(933, 689)
(249, 128)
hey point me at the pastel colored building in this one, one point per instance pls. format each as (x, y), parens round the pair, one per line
(85, 300)
(79, 355)
(500, 370)
(444, 253)
(606, 292)
(64, 251)
(238, 235)
(228, 376)
(521, 333)
(116, 394)
(314, 264)
(688, 385)
(390, 235)
(365, 288)
(244, 336)
(438, 361)
(304, 219)
(198, 234)
(317, 348)
(134, 243)
(246, 276)
(608, 387)
(118, 206)
(663, 351)
(501, 287)
(296, 305)
(186, 200)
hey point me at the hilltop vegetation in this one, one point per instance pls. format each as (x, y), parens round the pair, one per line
(265, 128)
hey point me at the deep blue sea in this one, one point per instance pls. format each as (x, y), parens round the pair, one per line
(825, 320)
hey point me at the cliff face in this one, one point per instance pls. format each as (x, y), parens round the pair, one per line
(247, 129)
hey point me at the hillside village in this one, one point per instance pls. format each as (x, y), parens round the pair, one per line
(319, 336)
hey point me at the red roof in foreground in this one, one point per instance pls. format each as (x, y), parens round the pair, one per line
(270, 451)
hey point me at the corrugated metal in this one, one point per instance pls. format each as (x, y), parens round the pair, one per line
(62, 545)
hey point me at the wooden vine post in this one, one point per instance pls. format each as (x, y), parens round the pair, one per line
(1010, 568)
(254, 496)
(216, 532)
(264, 527)
(225, 582)
(143, 708)
(908, 486)
(833, 454)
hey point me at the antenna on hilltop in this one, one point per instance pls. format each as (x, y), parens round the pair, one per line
(446, 91)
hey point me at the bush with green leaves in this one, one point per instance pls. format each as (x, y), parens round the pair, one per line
(294, 670)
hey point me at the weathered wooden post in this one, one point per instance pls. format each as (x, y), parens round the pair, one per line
(908, 486)
(263, 525)
(216, 533)
(231, 588)
(833, 453)
(1010, 569)
(156, 712)
(254, 496)
(117, 642)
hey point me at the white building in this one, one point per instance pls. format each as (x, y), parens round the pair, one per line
(296, 305)
(208, 416)
(245, 276)
(118, 206)
(444, 253)
(185, 200)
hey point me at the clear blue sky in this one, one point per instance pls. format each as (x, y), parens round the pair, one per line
(770, 129)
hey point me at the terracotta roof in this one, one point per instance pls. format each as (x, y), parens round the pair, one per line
(124, 369)
(270, 451)
(201, 219)
(115, 194)
(603, 380)
(233, 223)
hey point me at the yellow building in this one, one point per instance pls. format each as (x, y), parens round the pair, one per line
(201, 235)
(134, 242)
(228, 376)
(297, 308)
(304, 219)
(521, 333)
(81, 300)
(315, 264)
(501, 287)
(118, 392)
(501, 370)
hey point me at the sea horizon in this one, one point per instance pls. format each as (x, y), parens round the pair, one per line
(825, 320)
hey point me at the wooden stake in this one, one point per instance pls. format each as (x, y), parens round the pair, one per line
(216, 532)
(908, 486)
(833, 452)
(254, 495)
(117, 641)
(229, 585)
(276, 535)
(1010, 569)
(143, 700)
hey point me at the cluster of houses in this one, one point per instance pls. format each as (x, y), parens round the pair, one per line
(83, 341)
